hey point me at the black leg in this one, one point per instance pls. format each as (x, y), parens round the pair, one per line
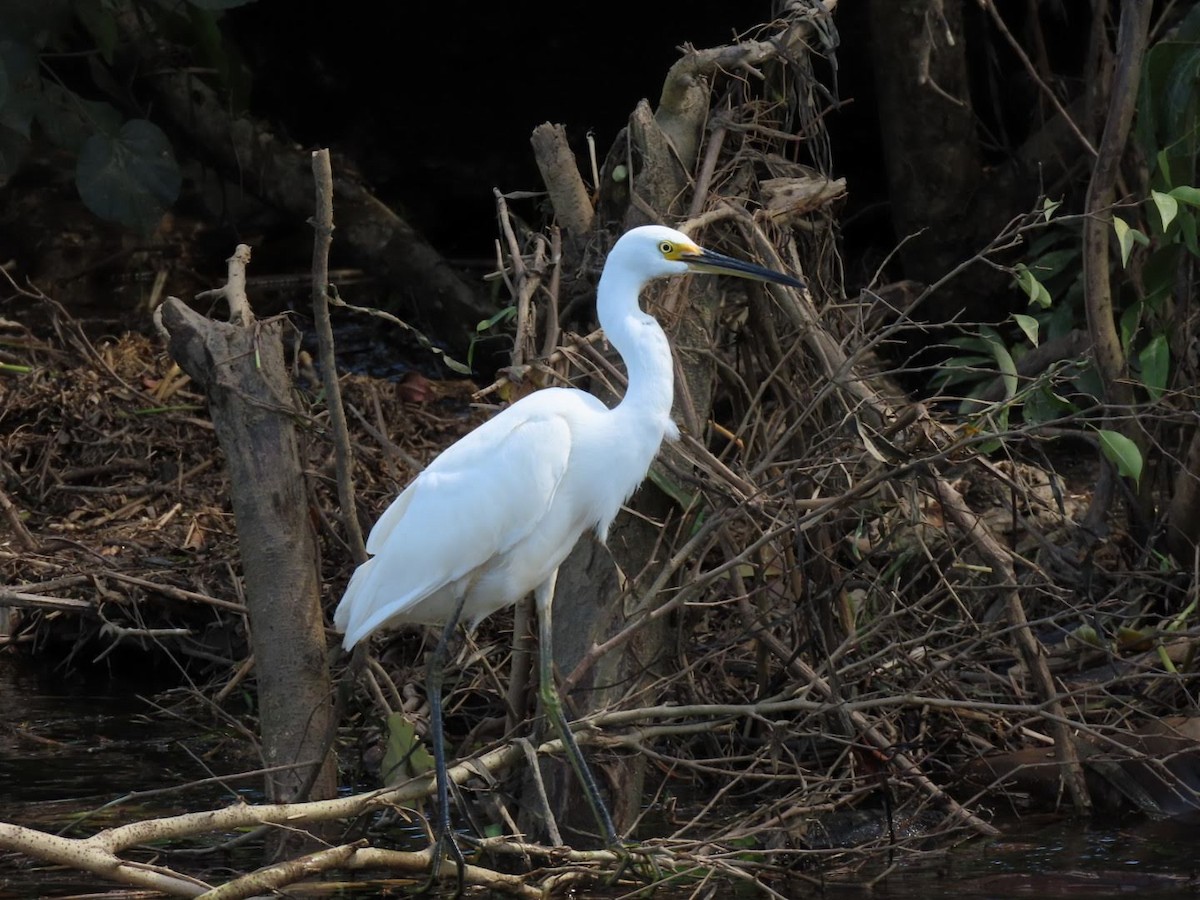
(544, 596)
(444, 840)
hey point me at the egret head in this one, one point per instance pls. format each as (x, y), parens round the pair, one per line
(655, 251)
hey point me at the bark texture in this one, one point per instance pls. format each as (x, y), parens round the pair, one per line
(242, 370)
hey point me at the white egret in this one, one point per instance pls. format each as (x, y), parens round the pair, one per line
(492, 518)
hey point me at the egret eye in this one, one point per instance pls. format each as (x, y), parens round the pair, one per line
(666, 247)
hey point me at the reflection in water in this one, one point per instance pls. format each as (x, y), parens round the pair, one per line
(72, 744)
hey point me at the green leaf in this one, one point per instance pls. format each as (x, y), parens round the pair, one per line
(962, 370)
(1161, 269)
(503, 316)
(1167, 206)
(1163, 160)
(1181, 91)
(100, 22)
(1131, 321)
(405, 755)
(1185, 194)
(1049, 207)
(1029, 325)
(1122, 453)
(130, 178)
(1008, 369)
(68, 120)
(683, 497)
(22, 86)
(1043, 405)
(1155, 361)
(1032, 287)
(1047, 265)
(1124, 238)
(1187, 227)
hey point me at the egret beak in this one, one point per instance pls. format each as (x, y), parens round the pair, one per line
(713, 263)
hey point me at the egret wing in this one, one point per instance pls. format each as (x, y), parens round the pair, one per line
(470, 506)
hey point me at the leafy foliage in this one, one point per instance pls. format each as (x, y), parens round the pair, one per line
(126, 170)
(130, 177)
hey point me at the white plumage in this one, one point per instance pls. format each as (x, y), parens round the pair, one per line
(496, 513)
(493, 517)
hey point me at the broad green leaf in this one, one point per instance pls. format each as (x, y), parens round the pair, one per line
(131, 178)
(1054, 262)
(958, 369)
(99, 20)
(1167, 206)
(1049, 207)
(1062, 237)
(1043, 405)
(22, 86)
(405, 755)
(1187, 227)
(1124, 238)
(1122, 453)
(1032, 287)
(1008, 369)
(1131, 321)
(69, 120)
(491, 322)
(1155, 361)
(686, 499)
(1029, 325)
(1161, 268)
(1181, 91)
(1185, 193)
(1164, 165)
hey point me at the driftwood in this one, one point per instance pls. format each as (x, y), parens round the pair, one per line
(240, 365)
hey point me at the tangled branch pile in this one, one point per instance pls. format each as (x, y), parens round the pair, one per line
(863, 625)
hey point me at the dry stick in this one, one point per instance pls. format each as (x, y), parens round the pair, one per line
(322, 222)
(525, 282)
(834, 361)
(560, 173)
(552, 330)
(27, 540)
(97, 854)
(900, 761)
(273, 877)
(176, 593)
(1031, 69)
(1030, 648)
(556, 357)
(21, 599)
(1110, 358)
(1098, 297)
(233, 292)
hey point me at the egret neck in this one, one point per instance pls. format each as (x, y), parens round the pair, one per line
(643, 417)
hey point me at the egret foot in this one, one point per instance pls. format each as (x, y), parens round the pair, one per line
(445, 845)
(634, 857)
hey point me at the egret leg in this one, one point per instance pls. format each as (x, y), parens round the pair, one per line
(544, 597)
(444, 840)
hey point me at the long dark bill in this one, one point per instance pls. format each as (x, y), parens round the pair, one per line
(719, 264)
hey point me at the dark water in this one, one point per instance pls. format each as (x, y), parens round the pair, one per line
(1052, 858)
(80, 753)
(70, 746)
